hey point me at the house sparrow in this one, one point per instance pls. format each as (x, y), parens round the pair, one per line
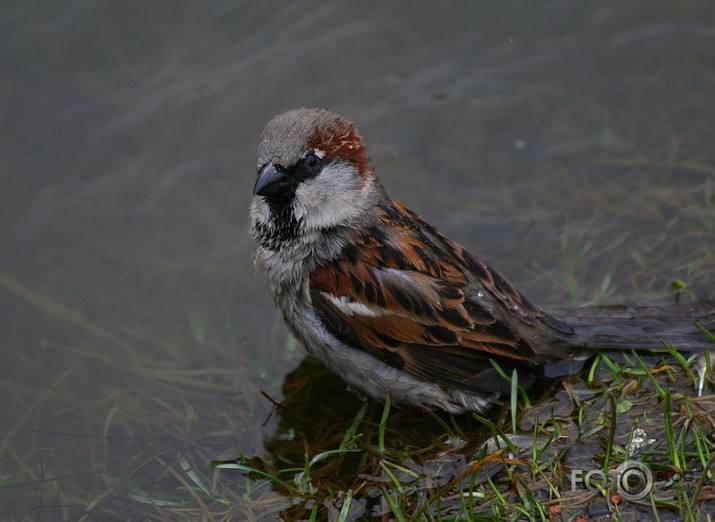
(390, 304)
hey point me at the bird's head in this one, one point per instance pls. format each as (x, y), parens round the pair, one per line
(314, 175)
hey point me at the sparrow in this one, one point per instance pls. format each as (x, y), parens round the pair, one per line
(391, 305)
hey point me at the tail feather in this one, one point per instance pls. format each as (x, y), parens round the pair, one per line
(641, 327)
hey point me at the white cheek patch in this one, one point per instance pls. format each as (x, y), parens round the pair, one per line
(333, 197)
(349, 307)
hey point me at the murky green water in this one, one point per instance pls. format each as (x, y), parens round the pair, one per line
(569, 144)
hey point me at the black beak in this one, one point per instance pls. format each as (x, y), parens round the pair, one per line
(272, 181)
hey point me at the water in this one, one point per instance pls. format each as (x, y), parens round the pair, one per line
(569, 144)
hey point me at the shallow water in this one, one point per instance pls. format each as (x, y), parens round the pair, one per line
(570, 145)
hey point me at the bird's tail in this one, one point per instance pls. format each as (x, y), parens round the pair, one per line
(688, 327)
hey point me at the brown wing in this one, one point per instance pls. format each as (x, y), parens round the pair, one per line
(418, 302)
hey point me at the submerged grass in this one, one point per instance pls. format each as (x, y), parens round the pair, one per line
(496, 468)
(330, 456)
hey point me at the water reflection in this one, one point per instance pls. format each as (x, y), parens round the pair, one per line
(341, 435)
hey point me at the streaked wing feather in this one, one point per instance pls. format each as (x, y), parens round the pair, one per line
(404, 298)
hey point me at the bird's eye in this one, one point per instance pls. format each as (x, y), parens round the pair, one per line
(312, 161)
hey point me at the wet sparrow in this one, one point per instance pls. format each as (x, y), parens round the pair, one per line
(391, 305)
